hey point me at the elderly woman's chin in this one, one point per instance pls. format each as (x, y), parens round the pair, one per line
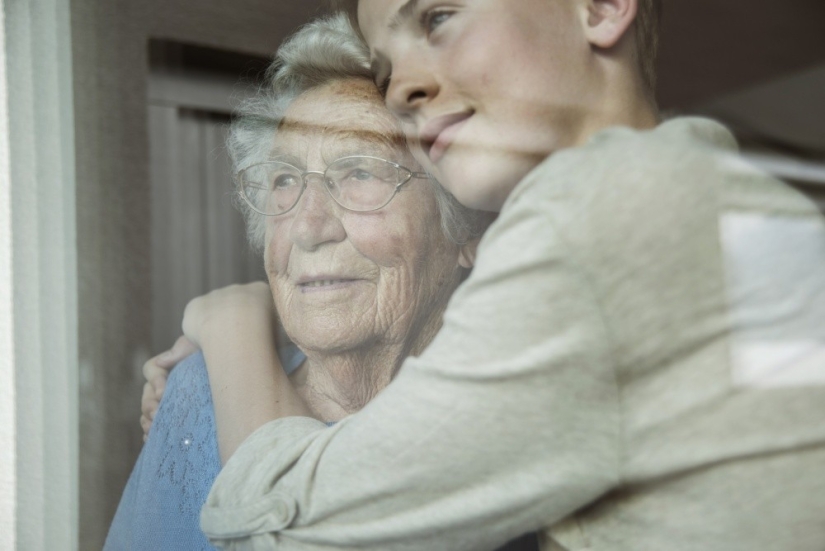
(381, 313)
(331, 318)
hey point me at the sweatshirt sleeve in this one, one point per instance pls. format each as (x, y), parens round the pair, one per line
(509, 421)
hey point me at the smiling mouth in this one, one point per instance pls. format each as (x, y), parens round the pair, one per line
(324, 282)
(325, 285)
(438, 134)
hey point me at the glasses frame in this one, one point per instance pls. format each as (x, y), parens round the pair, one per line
(409, 175)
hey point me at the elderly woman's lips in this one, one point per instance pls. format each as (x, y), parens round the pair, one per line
(320, 285)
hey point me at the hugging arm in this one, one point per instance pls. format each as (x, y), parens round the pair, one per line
(507, 422)
(235, 327)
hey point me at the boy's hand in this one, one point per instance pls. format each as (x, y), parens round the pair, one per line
(156, 371)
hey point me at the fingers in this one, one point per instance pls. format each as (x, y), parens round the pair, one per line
(182, 348)
(145, 424)
(148, 406)
(151, 369)
(155, 385)
(149, 401)
(158, 384)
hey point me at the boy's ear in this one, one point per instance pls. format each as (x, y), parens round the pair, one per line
(607, 21)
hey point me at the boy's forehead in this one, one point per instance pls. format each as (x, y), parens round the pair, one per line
(378, 20)
(390, 14)
(375, 15)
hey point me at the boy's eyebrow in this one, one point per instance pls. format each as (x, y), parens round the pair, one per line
(404, 12)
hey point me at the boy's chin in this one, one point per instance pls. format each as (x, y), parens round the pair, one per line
(483, 183)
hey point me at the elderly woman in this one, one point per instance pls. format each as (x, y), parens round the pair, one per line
(362, 251)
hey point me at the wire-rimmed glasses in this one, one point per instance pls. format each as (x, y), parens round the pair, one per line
(358, 183)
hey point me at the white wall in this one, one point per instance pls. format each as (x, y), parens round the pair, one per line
(38, 355)
(8, 429)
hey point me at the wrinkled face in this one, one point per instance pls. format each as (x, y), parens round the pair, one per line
(345, 281)
(489, 87)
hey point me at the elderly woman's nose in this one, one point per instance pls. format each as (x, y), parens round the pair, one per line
(317, 217)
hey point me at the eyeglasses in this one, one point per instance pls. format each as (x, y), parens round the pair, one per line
(358, 183)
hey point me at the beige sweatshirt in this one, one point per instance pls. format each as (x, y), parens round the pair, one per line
(636, 363)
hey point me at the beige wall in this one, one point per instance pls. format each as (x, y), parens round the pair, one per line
(109, 50)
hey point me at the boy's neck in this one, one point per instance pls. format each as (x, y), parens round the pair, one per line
(619, 99)
(633, 112)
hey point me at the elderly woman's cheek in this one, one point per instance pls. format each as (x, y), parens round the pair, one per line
(277, 249)
(412, 292)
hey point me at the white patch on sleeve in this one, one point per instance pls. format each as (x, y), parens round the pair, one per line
(769, 364)
(775, 272)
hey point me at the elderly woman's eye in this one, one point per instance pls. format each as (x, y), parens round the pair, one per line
(361, 175)
(283, 181)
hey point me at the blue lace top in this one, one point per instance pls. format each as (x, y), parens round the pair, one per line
(160, 507)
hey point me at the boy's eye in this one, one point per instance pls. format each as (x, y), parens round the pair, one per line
(432, 19)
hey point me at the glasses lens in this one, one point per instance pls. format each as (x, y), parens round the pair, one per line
(272, 188)
(362, 183)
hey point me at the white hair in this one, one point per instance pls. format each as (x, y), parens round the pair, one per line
(324, 51)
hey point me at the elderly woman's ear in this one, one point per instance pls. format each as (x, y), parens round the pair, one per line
(467, 253)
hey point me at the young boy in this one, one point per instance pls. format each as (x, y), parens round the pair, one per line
(637, 361)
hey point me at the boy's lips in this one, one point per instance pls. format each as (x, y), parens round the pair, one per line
(438, 133)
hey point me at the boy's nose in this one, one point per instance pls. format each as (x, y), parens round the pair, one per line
(410, 88)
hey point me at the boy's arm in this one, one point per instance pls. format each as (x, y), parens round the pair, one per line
(507, 422)
(235, 327)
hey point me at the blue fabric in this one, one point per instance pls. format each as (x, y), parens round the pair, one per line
(160, 507)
